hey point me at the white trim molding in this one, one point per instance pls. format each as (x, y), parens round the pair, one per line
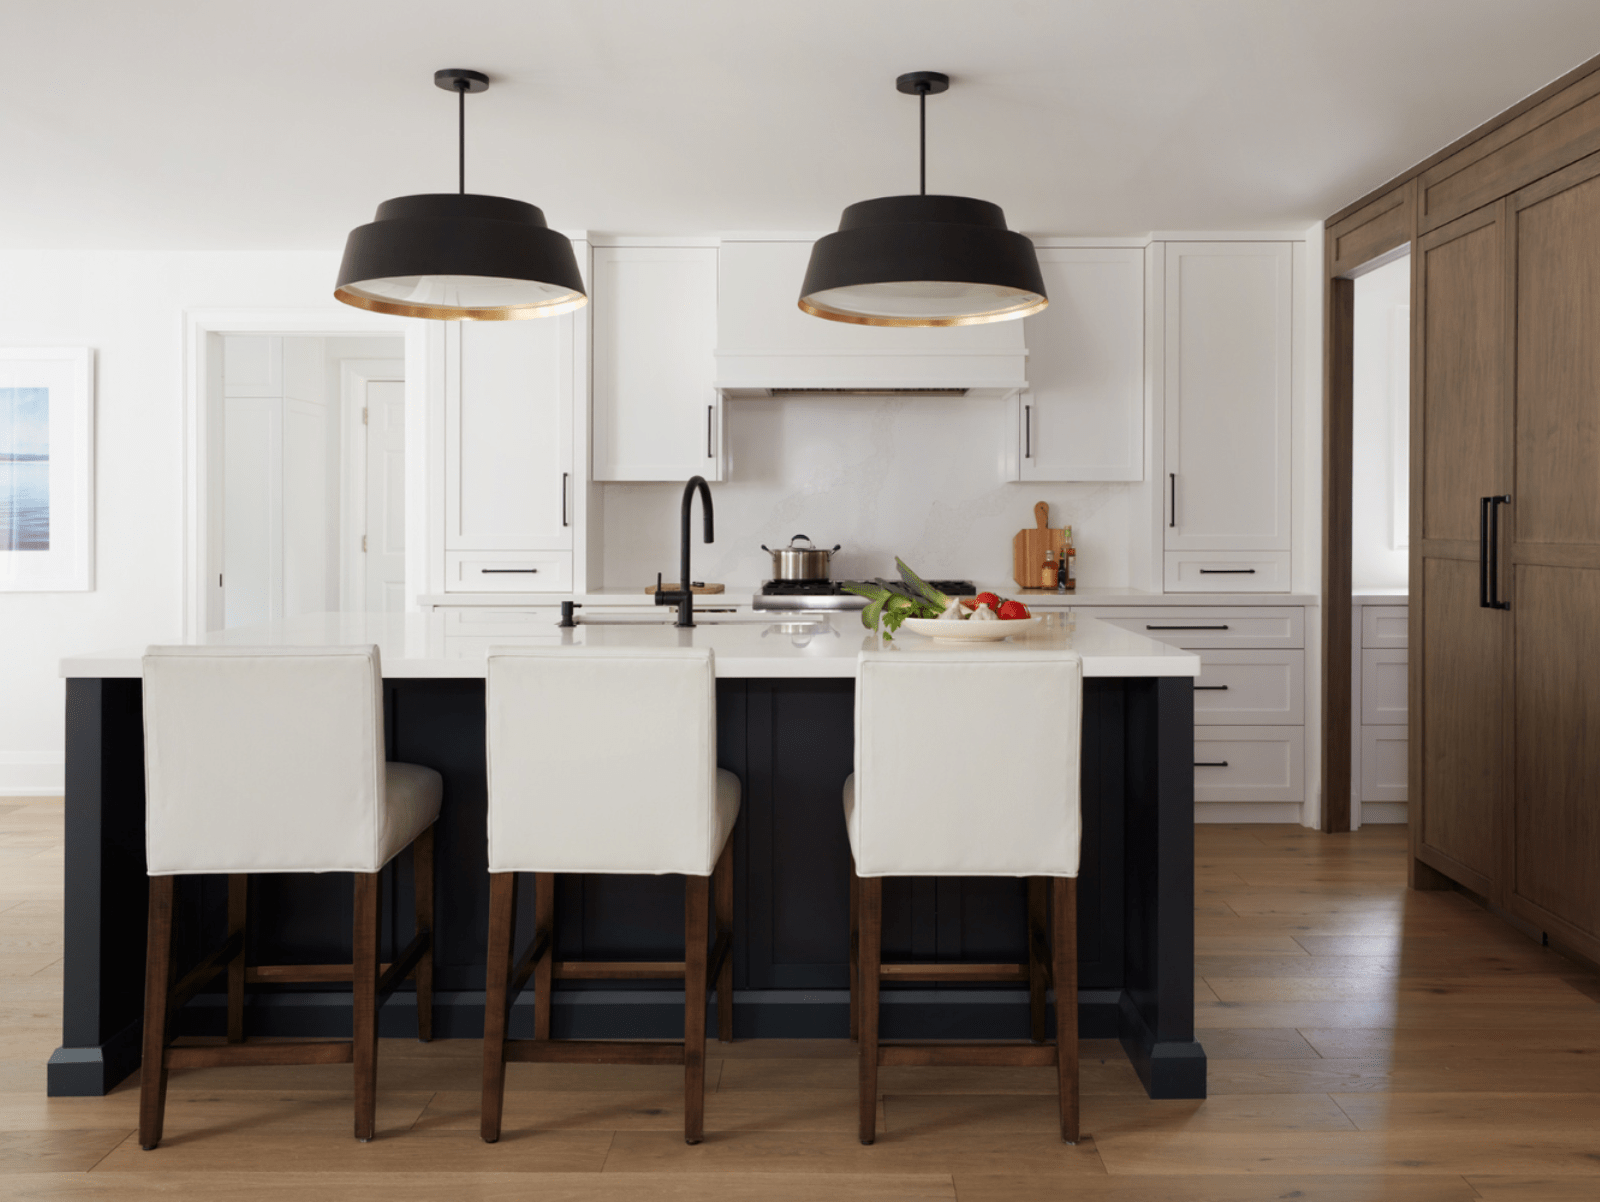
(32, 773)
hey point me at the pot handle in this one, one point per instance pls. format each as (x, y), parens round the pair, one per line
(835, 548)
(807, 537)
(768, 549)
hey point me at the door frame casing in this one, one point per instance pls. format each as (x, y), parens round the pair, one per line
(201, 351)
(354, 376)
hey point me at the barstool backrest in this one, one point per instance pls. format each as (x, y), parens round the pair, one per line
(263, 759)
(602, 760)
(967, 763)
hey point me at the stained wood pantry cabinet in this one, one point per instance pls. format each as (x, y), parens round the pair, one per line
(1506, 480)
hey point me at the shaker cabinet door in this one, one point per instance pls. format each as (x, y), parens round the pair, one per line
(1082, 417)
(657, 412)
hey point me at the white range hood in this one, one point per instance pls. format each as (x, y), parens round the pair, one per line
(767, 347)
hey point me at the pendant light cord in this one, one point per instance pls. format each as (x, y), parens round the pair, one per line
(922, 138)
(461, 136)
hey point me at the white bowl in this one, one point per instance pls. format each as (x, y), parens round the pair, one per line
(968, 631)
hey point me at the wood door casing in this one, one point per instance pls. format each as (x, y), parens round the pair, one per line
(1461, 434)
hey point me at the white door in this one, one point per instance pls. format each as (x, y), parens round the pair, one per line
(384, 536)
(252, 556)
(1228, 341)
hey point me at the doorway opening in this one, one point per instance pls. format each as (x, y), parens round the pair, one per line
(306, 476)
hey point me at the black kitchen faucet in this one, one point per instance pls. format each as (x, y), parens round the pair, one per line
(683, 596)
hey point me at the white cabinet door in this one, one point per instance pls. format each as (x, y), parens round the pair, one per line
(1228, 340)
(657, 412)
(1082, 417)
(508, 435)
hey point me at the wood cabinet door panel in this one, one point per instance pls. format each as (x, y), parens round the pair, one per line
(1556, 821)
(1458, 732)
(1460, 377)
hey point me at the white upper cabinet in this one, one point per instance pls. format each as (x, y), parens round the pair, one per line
(509, 401)
(657, 412)
(1082, 417)
(1227, 342)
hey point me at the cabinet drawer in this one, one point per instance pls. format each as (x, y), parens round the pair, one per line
(1219, 626)
(507, 572)
(1383, 763)
(1227, 572)
(1383, 687)
(1384, 625)
(1249, 763)
(1250, 688)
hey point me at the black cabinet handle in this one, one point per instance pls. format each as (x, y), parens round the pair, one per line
(1027, 431)
(1172, 479)
(1222, 688)
(710, 448)
(504, 571)
(1483, 552)
(1211, 763)
(564, 478)
(1147, 626)
(1227, 571)
(1494, 551)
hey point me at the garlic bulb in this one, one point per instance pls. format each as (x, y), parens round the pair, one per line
(952, 612)
(984, 614)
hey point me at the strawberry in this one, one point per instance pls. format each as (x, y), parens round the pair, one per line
(1012, 610)
(969, 603)
(989, 599)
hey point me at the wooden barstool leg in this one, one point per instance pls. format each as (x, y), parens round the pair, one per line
(496, 1007)
(422, 888)
(1038, 911)
(544, 921)
(696, 903)
(1065, 971)
(157, 992)
(871, 890)
(364, 1002)
(722, 890)
(238, 895)
(855, 951)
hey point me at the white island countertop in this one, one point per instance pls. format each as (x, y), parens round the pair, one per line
(419, 645)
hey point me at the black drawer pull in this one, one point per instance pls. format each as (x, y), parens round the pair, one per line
(504, 571)
(1211, 763)
(1147, 626)
(1211, 687)
(1227, 571)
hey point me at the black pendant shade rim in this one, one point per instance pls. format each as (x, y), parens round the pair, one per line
(460, 234)
(914, 239)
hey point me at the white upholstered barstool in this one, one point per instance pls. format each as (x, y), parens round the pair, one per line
(604, 760)
(271, 759)
(967, 764)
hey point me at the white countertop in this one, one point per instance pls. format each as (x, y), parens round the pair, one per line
(417, 645)
(740, 595)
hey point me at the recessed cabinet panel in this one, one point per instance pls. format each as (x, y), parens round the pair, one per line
(1384, 625)
(508, 572)
(1082, 417)
(1383, 763)
(1249, 763)
(1383, 687)
(1250, 688)
(508, 435)
(1228, 386)
(1227, 571)
(657, 413)
(1197, 629)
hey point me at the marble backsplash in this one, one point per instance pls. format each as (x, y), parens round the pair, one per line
(919, 478)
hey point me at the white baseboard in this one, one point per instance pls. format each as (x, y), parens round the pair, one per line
(1279, 812)
(31, 774)
(1385, 813)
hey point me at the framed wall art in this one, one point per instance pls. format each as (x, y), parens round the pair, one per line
(46, 469)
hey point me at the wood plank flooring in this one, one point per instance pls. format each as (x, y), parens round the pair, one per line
(1365, 1043)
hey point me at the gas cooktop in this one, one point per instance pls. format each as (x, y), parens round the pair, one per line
(830, 594)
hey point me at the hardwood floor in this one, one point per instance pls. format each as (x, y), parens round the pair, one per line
(1365, 1043)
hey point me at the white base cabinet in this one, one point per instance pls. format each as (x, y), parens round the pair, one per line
(1378, 720)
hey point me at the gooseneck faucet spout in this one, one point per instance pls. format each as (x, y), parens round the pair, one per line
(685, 594)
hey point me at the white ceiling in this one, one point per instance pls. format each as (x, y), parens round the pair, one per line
(255, 124)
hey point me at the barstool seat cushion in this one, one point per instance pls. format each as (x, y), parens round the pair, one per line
(967, 764)
(271, 759)
(605, 760)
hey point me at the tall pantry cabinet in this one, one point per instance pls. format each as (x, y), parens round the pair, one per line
(1506, 480)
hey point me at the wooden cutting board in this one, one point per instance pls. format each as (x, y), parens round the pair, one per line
(1029, 546)
(700, 590)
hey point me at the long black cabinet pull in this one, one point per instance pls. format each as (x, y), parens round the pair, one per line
(1212, 688)
(1211, 763)
(1172, 481)
(1227, 571)
(711, 452)
(564, 478)
(505, 571)
(1489, 552)
(1147, 626)
(1027, 431)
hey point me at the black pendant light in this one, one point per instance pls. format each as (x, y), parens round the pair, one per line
(454, 256)
(923, 260)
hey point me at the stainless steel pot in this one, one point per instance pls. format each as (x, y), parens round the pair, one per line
(796, 562)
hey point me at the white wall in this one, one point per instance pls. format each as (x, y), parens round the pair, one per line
(1381, 410)
(918, 478)
(128, 307)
